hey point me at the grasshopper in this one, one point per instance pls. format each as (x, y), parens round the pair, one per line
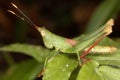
(67, 45)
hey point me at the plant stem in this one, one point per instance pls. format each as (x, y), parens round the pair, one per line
(79, 61)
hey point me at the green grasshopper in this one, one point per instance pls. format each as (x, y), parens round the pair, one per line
(66, 45)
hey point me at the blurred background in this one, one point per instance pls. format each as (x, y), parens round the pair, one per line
(67, 18)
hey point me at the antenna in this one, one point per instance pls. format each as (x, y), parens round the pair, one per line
(24, 18)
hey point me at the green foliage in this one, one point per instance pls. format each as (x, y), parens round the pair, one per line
(26, 70)
(109, 73)
(58, 64)
(60, 68)
(37, 52)
(91, 69)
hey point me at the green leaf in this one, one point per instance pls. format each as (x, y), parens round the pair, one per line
(27, 70)
(104, 11)
(60, 68)
(39, 53)
(110, 73)
(89, 71)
